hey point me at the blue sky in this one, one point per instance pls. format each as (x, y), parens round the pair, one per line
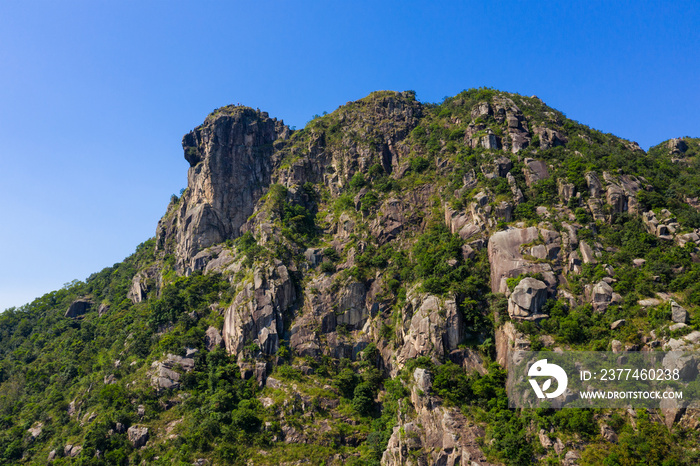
(95, 96)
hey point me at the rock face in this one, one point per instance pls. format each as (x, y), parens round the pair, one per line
(230, 166)
(534, 171)
(78, 308)
(434, 434)
(257, 313)
(430, 328)
(213, 339)
(527, 298)
(141, 284)
(507, 261)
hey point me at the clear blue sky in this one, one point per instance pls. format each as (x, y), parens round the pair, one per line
(95, 96)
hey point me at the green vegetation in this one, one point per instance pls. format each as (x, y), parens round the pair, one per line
(386, 173)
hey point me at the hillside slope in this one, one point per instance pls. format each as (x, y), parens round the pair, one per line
(347, 293)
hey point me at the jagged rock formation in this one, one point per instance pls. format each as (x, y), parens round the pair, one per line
(230, 159)
(257, 313)
(434, 434)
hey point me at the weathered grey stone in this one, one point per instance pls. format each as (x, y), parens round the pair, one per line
(677, 145)
(517, 192)
(617, 198)
(489, 141)
(608, 434)
(566, 190)
(595, 188)
(230, 166)
(549, 137)
(140, 286)
(503, 211)
(430, 327)
(481, 109)
(649, 302)
(601, 296)
(507, 260)
(687, 364)
(260, 373)
(78, 308)
(571, 458)
(256, 313)
(527, 298)
(71, 450)
(423, 380)
(35, 430)
(617, 324)
(165, 375)
(213, 339)
(639, 262)
(138, 436)
(352, 309)
(534, 171)
(671, 410)
(678, 313)
(587, 253)
(433, 434)
(468, 252)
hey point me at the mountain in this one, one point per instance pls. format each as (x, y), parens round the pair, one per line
(347, 293)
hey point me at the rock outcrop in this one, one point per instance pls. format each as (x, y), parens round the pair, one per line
(138, 436)
(256, 316)
(507, 259)
(527, 299)
(167, 373)
(230, 159)
(78, 308)
(431, 327)
(434, 434)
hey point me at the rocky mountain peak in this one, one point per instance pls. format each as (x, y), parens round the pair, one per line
(230, 158)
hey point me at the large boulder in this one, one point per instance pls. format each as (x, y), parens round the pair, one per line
(138, 436)
(601, 296)
(431, 327)
(595, 188)
(166, 373)
(213, 339)
(78, 308)
(678, 313)
(549, 137)
(534, 171)
(507, 261)
(527, 298)
(141, 284)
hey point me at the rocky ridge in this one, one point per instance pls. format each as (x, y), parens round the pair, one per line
(347, 289)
